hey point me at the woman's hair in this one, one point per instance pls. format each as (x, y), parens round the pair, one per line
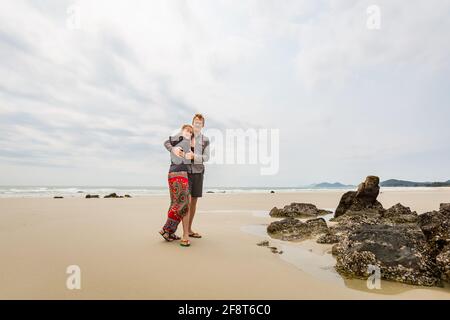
(200, 117)
(188, 127)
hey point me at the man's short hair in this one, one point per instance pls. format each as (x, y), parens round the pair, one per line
(200, 117)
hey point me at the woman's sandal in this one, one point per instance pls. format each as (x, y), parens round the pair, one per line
(185, 243)
(195, 235)
(173, 236)
(166, 235)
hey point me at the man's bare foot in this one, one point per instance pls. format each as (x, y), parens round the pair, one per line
(185, 242)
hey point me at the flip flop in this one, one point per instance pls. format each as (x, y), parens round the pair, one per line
(185, 243)
(195, 235)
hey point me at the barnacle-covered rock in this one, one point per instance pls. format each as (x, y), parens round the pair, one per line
(364, 199)
(298, 210)
(294, 229)
(401, 252)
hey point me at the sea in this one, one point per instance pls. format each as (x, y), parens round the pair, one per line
(134, 191)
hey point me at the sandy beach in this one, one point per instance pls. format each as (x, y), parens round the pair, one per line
(121, 255)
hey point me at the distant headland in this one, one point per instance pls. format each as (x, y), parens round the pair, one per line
(405, 183)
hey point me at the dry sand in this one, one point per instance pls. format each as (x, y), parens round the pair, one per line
(121, 255)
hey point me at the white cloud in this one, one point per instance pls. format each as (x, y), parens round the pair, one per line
(106, 95)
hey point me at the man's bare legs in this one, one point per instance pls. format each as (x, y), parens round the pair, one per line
(186, 224)
(192, 208)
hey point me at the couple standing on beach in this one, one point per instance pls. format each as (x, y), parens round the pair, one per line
(189, 149)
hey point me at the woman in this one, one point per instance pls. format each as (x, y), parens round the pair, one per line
(179, 186)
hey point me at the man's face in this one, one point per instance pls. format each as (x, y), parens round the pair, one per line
(198, 125)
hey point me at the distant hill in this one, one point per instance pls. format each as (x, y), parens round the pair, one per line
(405, 183)
(327, 185)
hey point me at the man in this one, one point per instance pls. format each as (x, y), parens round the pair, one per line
(196, 169)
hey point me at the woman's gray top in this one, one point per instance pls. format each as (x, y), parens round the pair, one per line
(178, 163)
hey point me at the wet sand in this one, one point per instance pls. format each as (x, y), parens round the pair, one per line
(121, 255)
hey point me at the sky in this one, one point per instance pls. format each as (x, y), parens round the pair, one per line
(89, 90)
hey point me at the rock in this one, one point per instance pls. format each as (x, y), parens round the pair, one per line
(435, 226)
(273, 249)
(401, 252)
(368, 190)
(394, 235)
(58, 197)
(127, 196)
(396, 214)
(400, 214)
(364, 199)
(112, 195)
(353, 219)
(294, 229)
(272, 191)
(209, 191)
(89, 196)
(443, 262)
(444, 208)
(328, 238)
(407, 247)
(264, 243)
(298, 210)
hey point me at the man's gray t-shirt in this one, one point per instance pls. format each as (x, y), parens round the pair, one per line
(201, 154)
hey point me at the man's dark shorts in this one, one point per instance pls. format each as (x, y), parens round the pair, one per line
(196, 184)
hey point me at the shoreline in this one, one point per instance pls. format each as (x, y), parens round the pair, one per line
(164, 192)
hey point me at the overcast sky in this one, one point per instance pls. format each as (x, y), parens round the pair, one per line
(89, 92)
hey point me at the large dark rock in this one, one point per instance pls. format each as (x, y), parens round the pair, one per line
(398, 214)
(352, 220)
(407, 247)
(417, 243)
(436, 227)
(401, 252)
(294, 229)
(369, 189)
(444, 208)
(298, 210)
(365, 198)
(443, 262)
